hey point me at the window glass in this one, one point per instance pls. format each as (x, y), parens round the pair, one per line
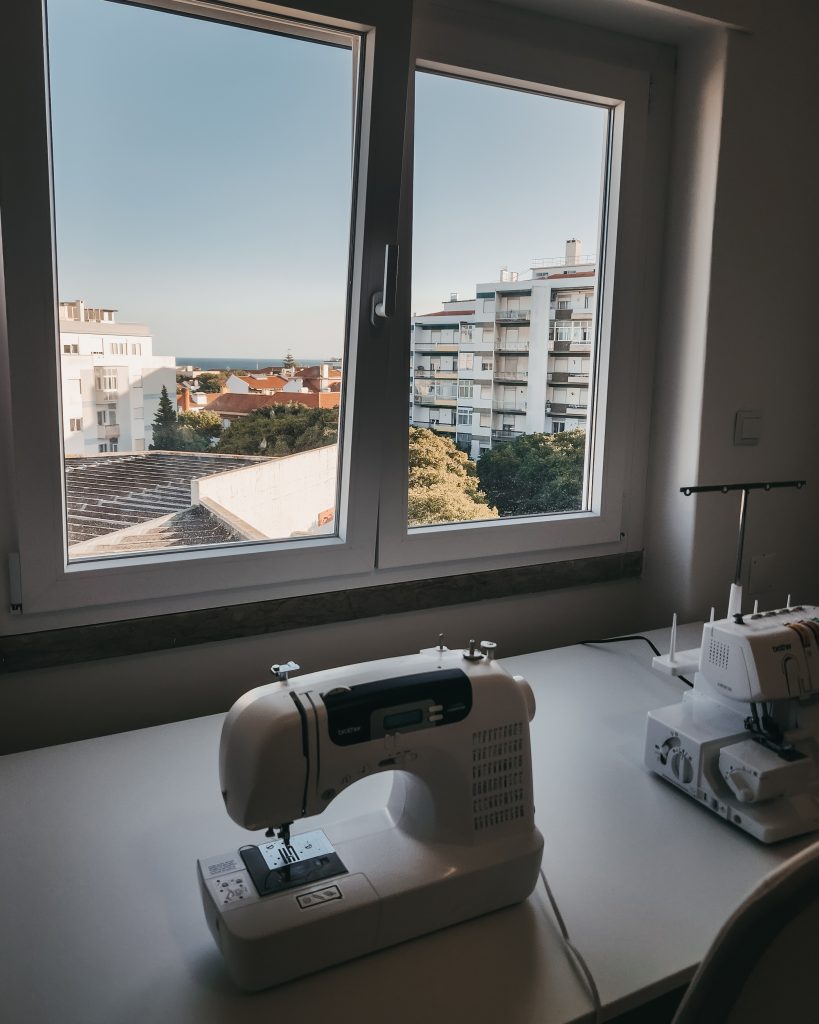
(534, 272)
(221, 170)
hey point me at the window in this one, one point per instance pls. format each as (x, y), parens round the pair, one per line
(136, 348)
(368, 530)
(71, 349)
(106, 379)
(74, 424)
(558, 426)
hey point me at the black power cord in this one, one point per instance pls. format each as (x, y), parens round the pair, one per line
(622, 639)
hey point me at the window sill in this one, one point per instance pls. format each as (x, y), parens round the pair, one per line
(51, 648)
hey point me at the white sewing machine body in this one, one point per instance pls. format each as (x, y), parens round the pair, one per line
(455, 839)
(744, 741)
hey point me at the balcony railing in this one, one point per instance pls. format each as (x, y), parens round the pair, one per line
(563, 345)
(518, 376)
(563, 261)
(564, 377)
(506, 435)
(512, 346)
(435, 346)
(108, 431)
(436, 399)
(431, 374)
(503, 315)
(517, 407)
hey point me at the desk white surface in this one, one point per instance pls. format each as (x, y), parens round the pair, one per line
(101, 919)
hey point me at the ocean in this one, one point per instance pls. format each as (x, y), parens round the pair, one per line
(232, 363)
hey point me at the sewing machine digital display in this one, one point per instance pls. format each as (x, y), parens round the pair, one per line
(277, 866)
(422, 700)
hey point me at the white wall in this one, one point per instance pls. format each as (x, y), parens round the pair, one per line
(735, 238)
(276, 498)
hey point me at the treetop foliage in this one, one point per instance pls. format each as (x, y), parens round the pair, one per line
(443, 487)
(535, 473)
(280, 430)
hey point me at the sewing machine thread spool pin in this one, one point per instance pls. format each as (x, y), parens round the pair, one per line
(282, 671)
(488, 647)
(470, 654)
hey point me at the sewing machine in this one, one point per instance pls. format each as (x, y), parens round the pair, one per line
(455, 839)
(744, 741)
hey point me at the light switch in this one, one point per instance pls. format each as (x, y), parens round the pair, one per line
(747, 426)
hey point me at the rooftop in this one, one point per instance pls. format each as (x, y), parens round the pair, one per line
(107, 494)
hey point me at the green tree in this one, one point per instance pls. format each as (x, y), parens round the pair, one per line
(280, 430)
(211, 383)
(535, 473)
(163, 429)
(443, 486)
(289, 361)
(188, 432)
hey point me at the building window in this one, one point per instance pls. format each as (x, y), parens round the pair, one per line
(71, 349)
(74, 425)
(106, 379)
(136, 348)
(465, 417)
(465, 388)
(558, 426)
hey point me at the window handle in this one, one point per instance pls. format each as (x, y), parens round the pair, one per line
(382, 303)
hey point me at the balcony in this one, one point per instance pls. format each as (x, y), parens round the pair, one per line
(108, 431)
(513, 347)
(564, 345)
(506, 435)
(436, 399)
(435, 346)
(518, 408)
(422, 373)
(446, 428)
(514, 376)
(512, 315)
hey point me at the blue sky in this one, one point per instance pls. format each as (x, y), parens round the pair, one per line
(202, 180)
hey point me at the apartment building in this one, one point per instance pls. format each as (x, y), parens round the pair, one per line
(111, 381)
(514, 360)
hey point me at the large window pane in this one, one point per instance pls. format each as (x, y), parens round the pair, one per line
(508, 196)
(202, 176)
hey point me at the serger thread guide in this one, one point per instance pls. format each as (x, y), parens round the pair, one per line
(456, 838)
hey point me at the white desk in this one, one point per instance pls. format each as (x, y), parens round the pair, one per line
(101, 921)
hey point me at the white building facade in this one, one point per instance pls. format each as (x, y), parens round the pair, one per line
(111, 381)
(516, 359)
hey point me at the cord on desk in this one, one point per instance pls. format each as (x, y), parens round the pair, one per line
(577, 957)
(620, 639)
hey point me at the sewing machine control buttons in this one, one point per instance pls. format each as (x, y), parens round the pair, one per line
(402, 704)
(278, 866)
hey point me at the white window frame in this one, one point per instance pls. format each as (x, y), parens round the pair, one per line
(240, 572)
(504, 53)
(375, 426)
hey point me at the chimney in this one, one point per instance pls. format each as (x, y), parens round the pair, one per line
(573, 251)
(185, 400)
